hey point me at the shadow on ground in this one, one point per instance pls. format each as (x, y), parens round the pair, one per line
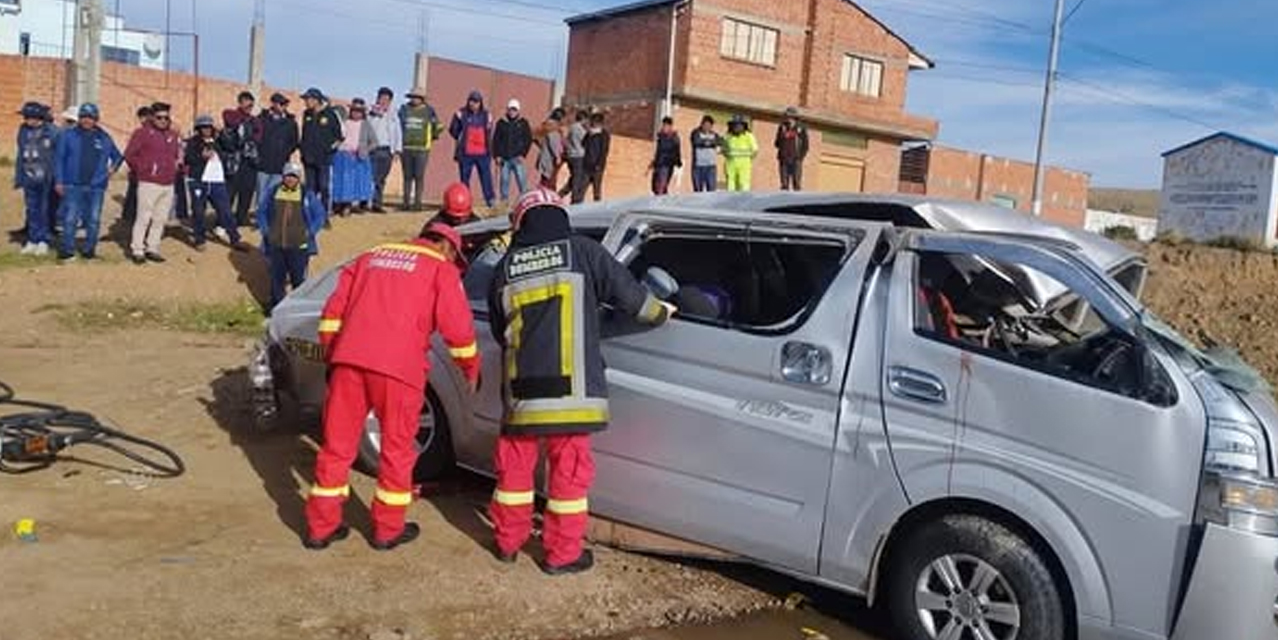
(252, 271)
(283, 459)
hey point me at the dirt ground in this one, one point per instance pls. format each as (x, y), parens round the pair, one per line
(215, 553)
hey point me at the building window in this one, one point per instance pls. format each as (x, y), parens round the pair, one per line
(749, 42)
(862, 76)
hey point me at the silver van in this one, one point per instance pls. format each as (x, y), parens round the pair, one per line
(960, 413)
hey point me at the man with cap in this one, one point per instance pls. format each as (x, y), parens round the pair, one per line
(544, 311)
(240, 131)
(277, 140)
(85, 160)
(37, 142)
(471, 128)
(376, 341)
(420, 129)
(388, 142)
(321, 134)
(739, 148)
(129, 211)
(512, 138)
(153, 154)
(289, 218)
(792, 149)
(207, 159)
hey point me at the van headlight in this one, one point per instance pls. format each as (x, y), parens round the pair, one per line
(1239, 501)
(1233, 447)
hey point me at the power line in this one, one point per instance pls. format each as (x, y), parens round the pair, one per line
(1123, 98)
(486, 12)
(1077, 5)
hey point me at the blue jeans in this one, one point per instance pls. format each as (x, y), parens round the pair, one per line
(38, 220)
(266, 183)
(203, 193)
(80, 205)
(705, 178)
(513, 167)
(288, 267)
(485, 166)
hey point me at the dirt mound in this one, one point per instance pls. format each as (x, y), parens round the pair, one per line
(1224, 296)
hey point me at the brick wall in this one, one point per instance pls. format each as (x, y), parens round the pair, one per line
(619, 59)
(967, 175)
(707, 70)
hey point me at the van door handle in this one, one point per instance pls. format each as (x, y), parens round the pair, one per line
(916, 385)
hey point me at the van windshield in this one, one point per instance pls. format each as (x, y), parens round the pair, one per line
(1224, 364)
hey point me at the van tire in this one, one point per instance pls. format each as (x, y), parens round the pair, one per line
(1022, 587)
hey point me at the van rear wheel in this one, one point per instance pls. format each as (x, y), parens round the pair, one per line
(966, 577)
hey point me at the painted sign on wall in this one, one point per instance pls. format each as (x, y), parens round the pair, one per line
(1216, 189)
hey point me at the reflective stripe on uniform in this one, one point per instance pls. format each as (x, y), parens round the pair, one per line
(563, 291)
(567, 507)
(329, 325)
(528, 417)
(513, 498)
(468, 351)
(394, 498)
(411, 248)
(331, 492)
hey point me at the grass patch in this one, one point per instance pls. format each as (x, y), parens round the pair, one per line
(16, 260)
(231, 318)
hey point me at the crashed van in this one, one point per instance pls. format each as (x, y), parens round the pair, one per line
(963, 414)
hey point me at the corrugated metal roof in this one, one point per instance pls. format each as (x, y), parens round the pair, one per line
(641, 5)
(1268, 148)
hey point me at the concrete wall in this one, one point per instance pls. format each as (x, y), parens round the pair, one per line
(1219, 188)
(967, 175)
(1098, 221)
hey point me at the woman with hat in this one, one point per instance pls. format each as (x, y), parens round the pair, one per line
(739, 147)
(37, 142)
(206, 163)
(353, 165)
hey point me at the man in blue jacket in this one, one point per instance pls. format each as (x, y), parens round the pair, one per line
(289, 218)
(86, 159)
(37, 142)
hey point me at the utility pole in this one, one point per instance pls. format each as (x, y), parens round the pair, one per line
(87, 51)
(1052, 58)
(257, 47)
(421, 61)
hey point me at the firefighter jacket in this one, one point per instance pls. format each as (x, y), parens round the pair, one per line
(387, 304)
(544, 311)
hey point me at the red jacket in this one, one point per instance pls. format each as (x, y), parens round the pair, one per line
(387, 304)
(153, 155)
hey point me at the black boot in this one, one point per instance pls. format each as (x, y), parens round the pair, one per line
(339, 534)
(409, 534)
(582, 564)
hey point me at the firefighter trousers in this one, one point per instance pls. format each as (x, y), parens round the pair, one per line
(352, 392)
(572, 470)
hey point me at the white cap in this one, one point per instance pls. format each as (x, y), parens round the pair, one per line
(513, 104)
(71, 114)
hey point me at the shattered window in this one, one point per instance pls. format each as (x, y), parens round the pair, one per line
(999, 310)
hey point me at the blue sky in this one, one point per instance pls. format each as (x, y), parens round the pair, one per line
(1138, 76)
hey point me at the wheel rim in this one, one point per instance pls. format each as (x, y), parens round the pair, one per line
(426, 432)
(960, 597)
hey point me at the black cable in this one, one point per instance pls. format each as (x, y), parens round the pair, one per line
(31, 440)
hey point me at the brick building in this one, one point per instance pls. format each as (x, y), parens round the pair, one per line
(843, 69)
(953, 173)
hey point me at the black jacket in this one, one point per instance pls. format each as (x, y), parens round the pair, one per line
(194, 156)
(321, 132)
(279, 139)
(669, 152)
(579, 274)
(598, 144)
(512, 138)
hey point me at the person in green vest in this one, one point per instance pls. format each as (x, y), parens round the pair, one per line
(421, 130)
(739, 148)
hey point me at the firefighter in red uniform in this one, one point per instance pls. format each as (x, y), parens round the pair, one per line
(544, 311)
(375, 330)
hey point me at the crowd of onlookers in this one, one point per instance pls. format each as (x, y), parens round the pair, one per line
(242, 166)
